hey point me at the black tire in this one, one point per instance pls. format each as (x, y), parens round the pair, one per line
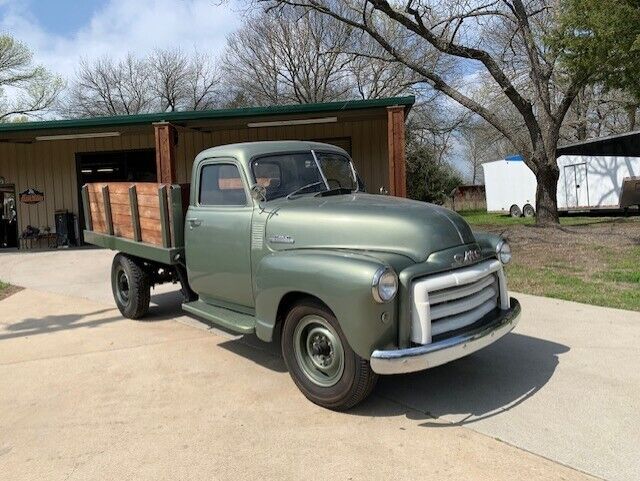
(514, 211)
(528, 210)
(352, 384)
(131, 287)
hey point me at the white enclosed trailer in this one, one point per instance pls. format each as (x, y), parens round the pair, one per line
(510, 186)
(587, 182)
(594, 182)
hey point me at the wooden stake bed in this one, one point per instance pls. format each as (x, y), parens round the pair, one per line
(144, 219)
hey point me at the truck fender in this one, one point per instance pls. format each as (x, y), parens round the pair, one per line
(340, 280)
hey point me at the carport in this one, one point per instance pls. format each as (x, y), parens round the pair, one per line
(44, 164)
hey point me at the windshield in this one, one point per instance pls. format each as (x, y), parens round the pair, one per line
(297, 173)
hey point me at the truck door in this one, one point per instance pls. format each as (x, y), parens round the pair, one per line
(217, 235)
(575, 181)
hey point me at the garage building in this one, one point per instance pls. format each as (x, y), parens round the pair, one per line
(43, 165)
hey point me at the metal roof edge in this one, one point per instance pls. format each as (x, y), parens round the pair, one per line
(595, 140)
(136, 119)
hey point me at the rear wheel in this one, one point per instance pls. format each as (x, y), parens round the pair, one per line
(528, 210)
(320, 361)
(515, 211)
(131, 287)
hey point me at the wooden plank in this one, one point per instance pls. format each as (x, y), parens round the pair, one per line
(164, 216)
(143, 188)
(135, 216)
(123, 199)
(87, 207)
(107, 209)
(124, 209)
(125, 220)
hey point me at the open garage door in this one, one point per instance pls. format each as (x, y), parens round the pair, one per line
(114, 166)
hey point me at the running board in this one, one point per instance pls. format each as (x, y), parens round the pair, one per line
(232, 320)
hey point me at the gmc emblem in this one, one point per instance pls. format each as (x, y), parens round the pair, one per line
(469, 256)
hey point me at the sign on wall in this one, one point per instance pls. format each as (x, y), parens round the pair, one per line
(31, 196)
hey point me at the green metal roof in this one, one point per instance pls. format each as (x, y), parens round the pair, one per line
(206, 114)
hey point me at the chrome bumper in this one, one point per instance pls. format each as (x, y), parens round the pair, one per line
(398, 361)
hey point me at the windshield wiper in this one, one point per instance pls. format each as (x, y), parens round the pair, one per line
(334, 191)
(304, 187)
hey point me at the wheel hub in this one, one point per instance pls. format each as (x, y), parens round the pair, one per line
(319, 351)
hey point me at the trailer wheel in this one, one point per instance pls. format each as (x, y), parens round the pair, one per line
(131, 287)
(515, 211)
(320, 361)
(528, 210)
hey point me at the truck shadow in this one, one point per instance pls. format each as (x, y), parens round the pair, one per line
(55, 323)
(485, 384)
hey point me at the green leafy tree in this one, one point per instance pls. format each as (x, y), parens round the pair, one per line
(427, 179)
(26, 90)
(602, 37)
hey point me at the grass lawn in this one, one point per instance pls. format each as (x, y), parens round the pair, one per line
(7, 289)
(594, 260)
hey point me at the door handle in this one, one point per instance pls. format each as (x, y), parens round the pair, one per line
(194, 223)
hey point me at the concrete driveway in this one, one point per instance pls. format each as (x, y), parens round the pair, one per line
(86, 394)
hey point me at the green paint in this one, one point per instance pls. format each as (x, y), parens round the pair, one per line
(245, 260)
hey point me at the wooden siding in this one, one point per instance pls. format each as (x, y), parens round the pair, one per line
(50, 166)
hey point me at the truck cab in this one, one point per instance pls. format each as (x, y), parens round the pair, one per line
(279, 239)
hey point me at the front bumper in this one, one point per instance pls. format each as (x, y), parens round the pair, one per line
(398, 361)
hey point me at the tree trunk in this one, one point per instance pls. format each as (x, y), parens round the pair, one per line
(546, 195)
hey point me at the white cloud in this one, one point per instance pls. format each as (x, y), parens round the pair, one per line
(122, 26)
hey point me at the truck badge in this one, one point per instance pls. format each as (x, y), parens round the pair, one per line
(469, 256)
(281, 239)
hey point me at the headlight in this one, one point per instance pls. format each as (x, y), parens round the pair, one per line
(504, 251)
(385, 285)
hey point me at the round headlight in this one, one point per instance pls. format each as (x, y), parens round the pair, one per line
(385, 285)
(504, 251)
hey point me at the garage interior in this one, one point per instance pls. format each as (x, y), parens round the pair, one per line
(56, 158)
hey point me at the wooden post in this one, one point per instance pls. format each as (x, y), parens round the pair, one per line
(135, 216)
(106, 201)
(397, 167)
(88, 221)
(165, 152)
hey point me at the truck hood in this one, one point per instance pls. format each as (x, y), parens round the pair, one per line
(364, 222)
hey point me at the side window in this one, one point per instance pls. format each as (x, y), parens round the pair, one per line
(221, 184)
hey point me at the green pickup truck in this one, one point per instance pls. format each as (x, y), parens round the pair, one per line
(279, 239)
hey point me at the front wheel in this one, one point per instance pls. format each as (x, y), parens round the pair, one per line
(131, 287)
(320, 361)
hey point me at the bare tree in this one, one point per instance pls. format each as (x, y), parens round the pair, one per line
(203, 83)
(184, 82)
(109, 87)
(599, 111)
(285, 58)
(33, 89)
(481, 143)
(505, 39)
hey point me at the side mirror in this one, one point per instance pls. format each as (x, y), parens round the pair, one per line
(259, 193)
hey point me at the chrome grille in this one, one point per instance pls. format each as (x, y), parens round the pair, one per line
(456, 299)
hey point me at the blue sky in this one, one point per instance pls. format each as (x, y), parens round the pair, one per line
(58, 17)
(60, 32)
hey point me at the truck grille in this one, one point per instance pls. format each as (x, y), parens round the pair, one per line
(456, 299)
